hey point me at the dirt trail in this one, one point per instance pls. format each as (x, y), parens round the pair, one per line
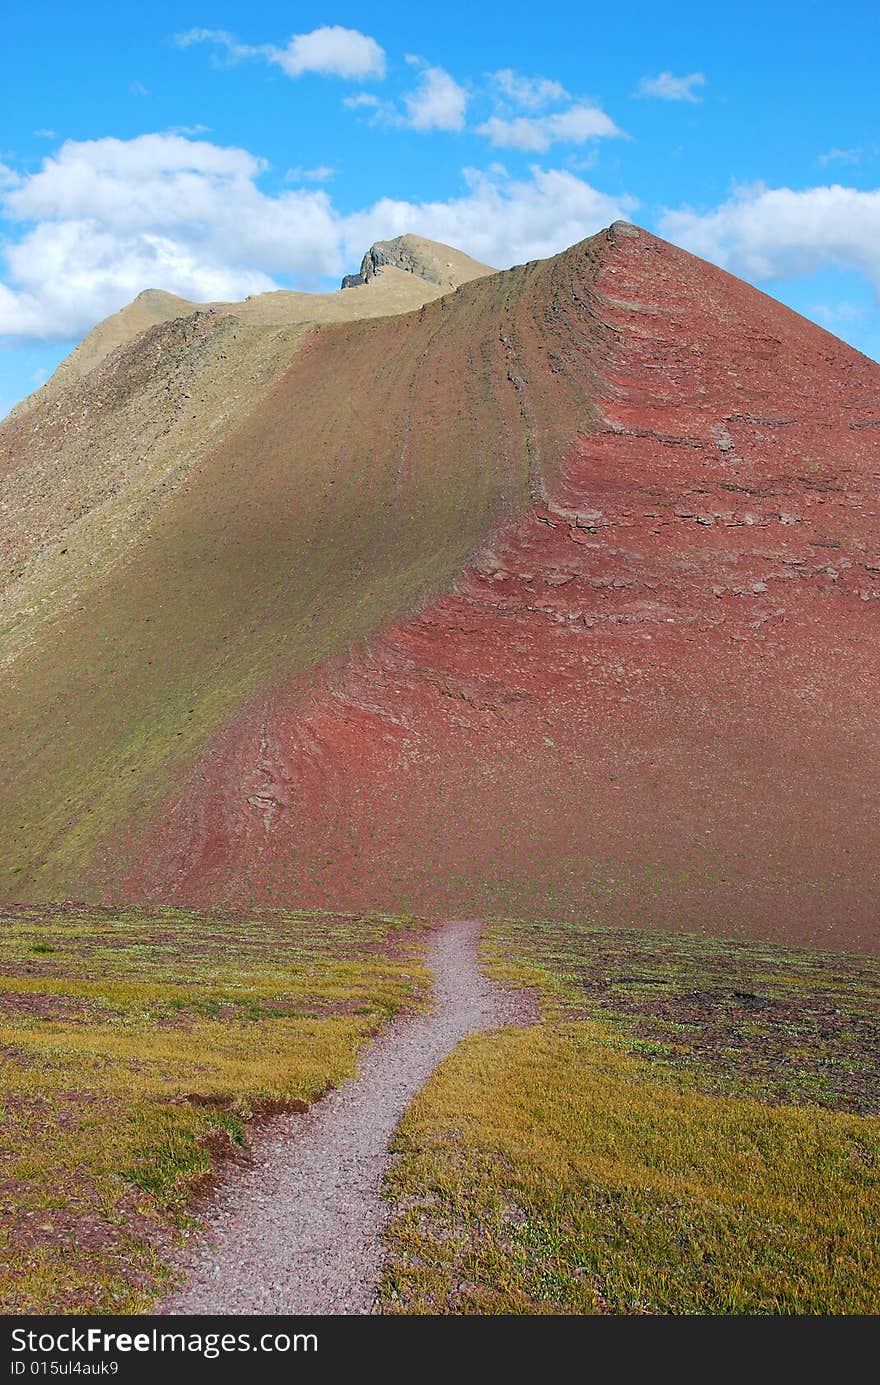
(301, 1230)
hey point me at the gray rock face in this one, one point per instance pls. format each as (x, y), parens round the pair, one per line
(429, 262)
(395, 253)
(623, 229)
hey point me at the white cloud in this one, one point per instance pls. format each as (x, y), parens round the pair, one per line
(437, 103)
(500, 220)
(140, 182)
(528, 93)
(138, 89)
(331, 51)
(580, 123)
(843, 312)
(322, 174)
(46, 134)
(221, 39)
(843, 156)
(536, 133)
(113, 217)
(667, 87)
(104, 219)
(364, 99)
(777, 233)
(188, 130)
(583, 162)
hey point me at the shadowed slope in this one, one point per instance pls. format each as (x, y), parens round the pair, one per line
(654, 698)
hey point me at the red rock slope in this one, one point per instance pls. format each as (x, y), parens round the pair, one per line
(652, 696)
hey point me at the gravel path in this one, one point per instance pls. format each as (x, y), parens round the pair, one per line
(300, 1231)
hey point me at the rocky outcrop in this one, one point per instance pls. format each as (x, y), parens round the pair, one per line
(396, 253)
(425, 259)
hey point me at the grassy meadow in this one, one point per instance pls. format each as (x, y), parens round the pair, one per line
(135, 1049)
(692, 1129)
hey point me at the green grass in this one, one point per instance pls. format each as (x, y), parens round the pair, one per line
(779, 1024)
(135, 1050)
(647, 1149)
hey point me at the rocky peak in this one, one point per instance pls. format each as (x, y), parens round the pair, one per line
(426, 259)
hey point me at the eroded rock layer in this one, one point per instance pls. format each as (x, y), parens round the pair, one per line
(561, 595)
(653, 695)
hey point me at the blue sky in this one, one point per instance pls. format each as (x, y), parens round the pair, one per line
(217, 149)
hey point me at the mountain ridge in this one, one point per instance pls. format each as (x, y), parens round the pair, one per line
(403, 274)
(566, 603)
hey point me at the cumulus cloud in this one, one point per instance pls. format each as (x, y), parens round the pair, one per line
(107, 218)
(667, 87)
(104, 219)
(527, 93)
(141, 181)
(777, 233)
(67, 277)
(331, 51)
(437, 103)
(499, 219)
(536, 133)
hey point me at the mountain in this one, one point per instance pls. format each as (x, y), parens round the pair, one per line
(426, 259)
(555, 595)
(399, 275)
